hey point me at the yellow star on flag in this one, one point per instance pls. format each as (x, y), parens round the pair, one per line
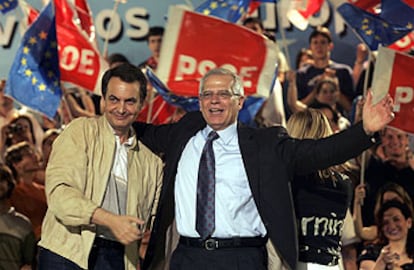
(206, 12)
(53, 44)
(34, 80)
(368, 32)
(26, 50)
(42, 87)
(213, 5)
(28, 72)
(23, 61)
(32, 40)
(48, 54)
(50, 74)
(43, 35)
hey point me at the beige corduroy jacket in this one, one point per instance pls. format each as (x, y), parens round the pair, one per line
(76, 178)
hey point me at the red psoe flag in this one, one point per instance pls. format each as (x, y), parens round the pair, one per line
(85, 18)
(79, 61)
(393, 75)
(194, 43)
(405, 44)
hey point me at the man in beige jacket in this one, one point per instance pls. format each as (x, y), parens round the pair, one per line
(102, 185)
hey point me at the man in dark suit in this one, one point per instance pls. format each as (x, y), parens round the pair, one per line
(253, 167)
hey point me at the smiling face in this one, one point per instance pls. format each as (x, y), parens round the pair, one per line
(395, 226)
(218, 104)
(121, 105)
(395, 142)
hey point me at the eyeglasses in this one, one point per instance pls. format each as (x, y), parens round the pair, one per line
(221, 94)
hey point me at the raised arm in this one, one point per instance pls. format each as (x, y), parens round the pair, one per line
(366, 233)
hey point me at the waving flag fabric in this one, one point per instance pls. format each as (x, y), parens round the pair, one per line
(80, 62)
(34, 76)
(186, 55)
(230, 10)
(299, 16)
(85, 19)
(372, 29)
(7, 5)
(255, 4)
(29, 13)
(188, 104)
(397, 12)
(393, 75)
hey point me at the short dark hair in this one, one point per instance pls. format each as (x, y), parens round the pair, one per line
(127, 73)
(253, 20)
(117, 58)
(155, 31)
(321, 31)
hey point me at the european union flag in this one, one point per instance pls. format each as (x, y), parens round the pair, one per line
(187, 104)
(251, 107)
(397, 12)
(7, 5)
(372, 29)
(34, 78)
(230, 10)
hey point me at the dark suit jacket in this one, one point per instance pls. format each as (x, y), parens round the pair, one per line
(270, 157)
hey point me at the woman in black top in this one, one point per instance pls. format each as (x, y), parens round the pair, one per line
(321, 199)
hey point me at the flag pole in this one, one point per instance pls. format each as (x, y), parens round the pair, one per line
(108, 31)
(283, 35)
(366, 78)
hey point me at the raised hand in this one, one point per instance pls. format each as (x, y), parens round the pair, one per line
(376, 116)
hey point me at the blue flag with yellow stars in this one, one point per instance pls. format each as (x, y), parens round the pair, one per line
(34, 78)
(188, 104)
(229, 10)
(7, 5)
(397, 12)
(373, 29)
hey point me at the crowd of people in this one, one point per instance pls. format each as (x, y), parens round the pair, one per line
(94, 188)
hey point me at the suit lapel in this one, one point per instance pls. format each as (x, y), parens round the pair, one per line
(250, 155)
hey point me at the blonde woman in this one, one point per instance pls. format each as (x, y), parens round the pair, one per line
(321, 199)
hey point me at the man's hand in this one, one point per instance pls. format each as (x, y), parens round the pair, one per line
(376, 117)
(126, 229)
